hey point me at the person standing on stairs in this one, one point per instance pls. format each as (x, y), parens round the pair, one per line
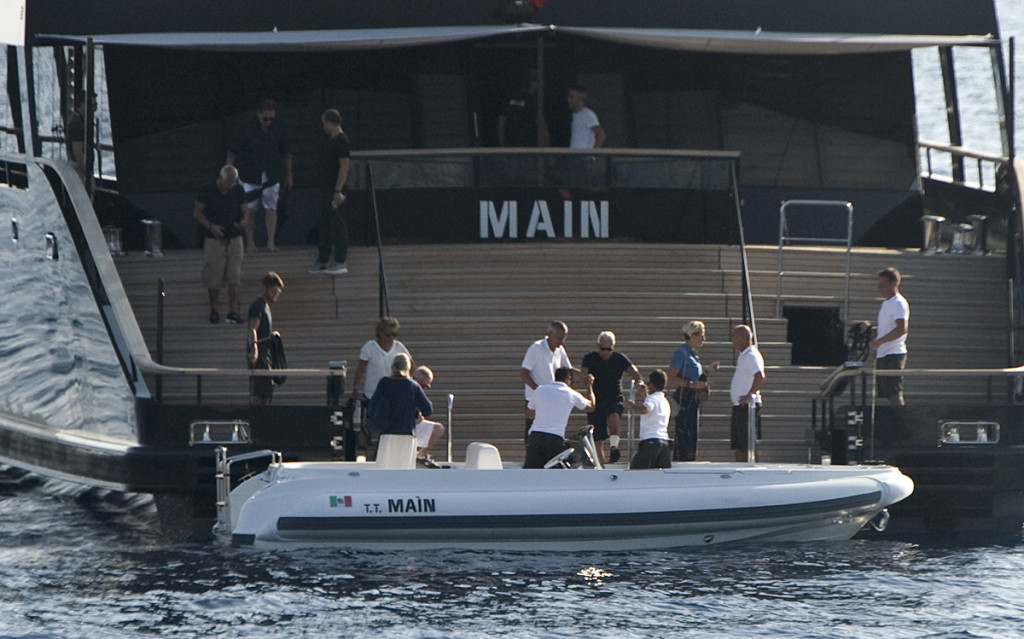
(890, 343)
(539, 364)
(690, 380)
(259, 149)
(745, 391)
(607, 366)
(262, 337)
(332, 227)
(220, 210)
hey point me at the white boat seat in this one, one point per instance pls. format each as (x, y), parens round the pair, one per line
(396, 452)
(481, 456)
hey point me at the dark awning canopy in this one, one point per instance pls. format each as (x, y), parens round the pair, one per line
(288, 41)
(710, 41)
(763, 42)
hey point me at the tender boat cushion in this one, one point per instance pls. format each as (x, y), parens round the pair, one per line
(482, 456)
(396, 452)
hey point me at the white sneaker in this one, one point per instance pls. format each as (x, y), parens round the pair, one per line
(336, 269)
(318, 269)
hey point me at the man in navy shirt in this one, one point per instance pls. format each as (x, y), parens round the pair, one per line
(607, 366)
(259, 149)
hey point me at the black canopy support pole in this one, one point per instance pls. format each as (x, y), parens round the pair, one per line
(956, 137)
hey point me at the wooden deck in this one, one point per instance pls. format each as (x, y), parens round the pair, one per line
(470, 311)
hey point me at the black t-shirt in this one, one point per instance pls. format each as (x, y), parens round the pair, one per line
(520, 113)
(224, 209)
(607, 375)
(259, 308)
(336, 148)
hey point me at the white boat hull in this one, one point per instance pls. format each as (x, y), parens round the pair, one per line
(357, 505)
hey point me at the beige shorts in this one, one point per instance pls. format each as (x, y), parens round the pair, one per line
(222, 262)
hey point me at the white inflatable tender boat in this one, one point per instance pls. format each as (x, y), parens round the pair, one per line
(483, 504)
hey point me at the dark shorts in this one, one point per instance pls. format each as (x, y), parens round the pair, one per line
(738, 427)
(652, 453)
(889, 386)
(599, 418)
(541, 447)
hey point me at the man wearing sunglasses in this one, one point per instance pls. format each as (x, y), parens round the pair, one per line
(607, 366)
(259, 149)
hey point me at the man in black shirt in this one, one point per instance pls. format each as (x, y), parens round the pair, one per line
(519, 123)
(607, 366)
(262, 338)
(332, 226)
(220, 210)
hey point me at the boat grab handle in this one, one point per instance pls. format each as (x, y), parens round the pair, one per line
(223, 479)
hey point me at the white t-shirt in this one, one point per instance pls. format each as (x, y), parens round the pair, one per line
(378, 362)
(553, 403)
(654, 423)
(892, 309)
(748, 364)
(542, 362)
(583, 123)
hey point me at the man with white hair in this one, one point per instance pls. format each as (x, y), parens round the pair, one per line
(220, 210)
(607, 366)
(427, 432)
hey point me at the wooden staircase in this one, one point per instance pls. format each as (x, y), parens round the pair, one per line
(470, 311)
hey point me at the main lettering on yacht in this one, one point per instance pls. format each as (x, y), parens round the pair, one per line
(411, 505)
(501, 220)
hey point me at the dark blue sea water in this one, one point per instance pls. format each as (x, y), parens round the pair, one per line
(84, 564)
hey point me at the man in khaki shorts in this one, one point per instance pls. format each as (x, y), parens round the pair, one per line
(220, 210)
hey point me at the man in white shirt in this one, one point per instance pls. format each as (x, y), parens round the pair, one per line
(540, 362)
(890, 343)
(426, 432)
(745, 390)
(553, 403)
(586, 130)
(655, 448)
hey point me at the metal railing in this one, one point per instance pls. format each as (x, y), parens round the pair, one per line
(223, 480)
(786, 238)
(849, 380)
(985, 165)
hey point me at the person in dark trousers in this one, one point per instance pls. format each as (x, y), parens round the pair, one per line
(890, 345)
(607, 366)
(655, 449)
(689, 378)
(552, 404)
(261, 338)
(333, 226)
(745, 391)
